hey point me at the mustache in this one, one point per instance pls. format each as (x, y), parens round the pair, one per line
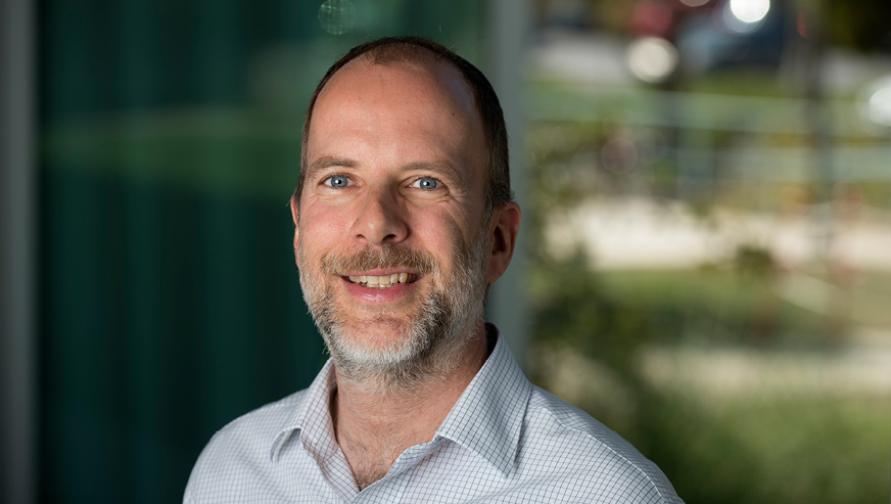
(370, 258)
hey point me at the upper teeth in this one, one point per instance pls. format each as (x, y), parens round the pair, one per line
(380, 281)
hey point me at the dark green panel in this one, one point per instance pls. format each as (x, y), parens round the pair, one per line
(167, 314)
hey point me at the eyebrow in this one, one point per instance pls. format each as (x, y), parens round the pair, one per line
(329, 161)
(436, 166)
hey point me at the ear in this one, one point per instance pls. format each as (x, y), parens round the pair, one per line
(295, 216)
(503, 228)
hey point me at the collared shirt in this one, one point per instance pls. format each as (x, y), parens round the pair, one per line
(504, 441)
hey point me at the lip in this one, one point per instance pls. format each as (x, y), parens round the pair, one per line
(392, 294)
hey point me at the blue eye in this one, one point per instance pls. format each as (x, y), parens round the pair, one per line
(337, 181)
(427, 183)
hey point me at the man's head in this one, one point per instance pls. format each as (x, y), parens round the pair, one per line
(403, 213)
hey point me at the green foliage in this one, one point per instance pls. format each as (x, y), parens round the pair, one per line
(742, 449)
(610, 314)
(771, 449)
(755, 261)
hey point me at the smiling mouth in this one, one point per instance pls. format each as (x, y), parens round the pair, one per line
(382, 281)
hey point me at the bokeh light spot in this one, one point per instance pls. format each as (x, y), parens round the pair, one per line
(652, 59)
(749, 11)
(877, 106)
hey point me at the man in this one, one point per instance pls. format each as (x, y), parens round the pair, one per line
(403, 217)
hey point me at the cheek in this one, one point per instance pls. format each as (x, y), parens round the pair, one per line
(310, 251)
(321, 228)
(447, 239)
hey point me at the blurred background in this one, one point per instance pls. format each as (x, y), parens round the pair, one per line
(705, 262)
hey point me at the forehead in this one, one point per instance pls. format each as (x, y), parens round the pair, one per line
(420, 79)
(397, 100)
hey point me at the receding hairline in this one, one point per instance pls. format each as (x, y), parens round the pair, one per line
(412, 56)
(400, 52)
(420, 51)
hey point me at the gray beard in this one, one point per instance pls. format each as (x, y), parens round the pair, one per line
(437, 334)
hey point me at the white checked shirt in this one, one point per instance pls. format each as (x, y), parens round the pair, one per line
(504, 441)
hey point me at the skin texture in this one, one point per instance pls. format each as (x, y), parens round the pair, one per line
(406, 148)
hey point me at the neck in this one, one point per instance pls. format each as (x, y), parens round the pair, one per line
(375, 420)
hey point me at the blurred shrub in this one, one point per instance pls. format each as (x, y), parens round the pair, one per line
(735, 449)
(755, 261)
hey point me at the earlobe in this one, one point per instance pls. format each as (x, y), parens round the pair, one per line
(504, 226)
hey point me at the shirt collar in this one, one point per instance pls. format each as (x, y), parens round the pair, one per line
(486, 419)
(311, 418)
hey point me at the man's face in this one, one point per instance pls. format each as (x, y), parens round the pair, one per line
(390, 238)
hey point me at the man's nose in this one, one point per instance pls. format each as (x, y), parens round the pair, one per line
(381, 219)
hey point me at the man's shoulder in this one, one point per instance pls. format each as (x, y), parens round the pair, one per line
(244, 442)
(545, 407)
(259, 426)
(603, 461)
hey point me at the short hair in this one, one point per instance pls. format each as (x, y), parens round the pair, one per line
(407, 49)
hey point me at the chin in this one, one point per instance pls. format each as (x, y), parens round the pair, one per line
(375, 337)
(389, 350)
